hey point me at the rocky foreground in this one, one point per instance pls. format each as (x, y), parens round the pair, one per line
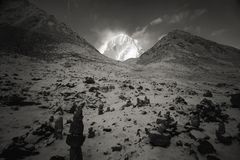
(127, 114)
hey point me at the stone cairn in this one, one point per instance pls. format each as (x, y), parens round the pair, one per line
(59, 128)
(76, 138)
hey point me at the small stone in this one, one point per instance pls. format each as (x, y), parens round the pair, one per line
(118, 148)
(107, 129)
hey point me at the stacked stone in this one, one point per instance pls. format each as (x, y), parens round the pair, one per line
(76, 138)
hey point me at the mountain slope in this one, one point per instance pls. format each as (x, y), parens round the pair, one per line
(122, 47)
(186, 49)
(28, 30)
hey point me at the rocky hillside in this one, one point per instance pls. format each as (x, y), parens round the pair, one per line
(186, 49)
(28, 30)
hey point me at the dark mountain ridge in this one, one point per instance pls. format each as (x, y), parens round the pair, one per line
(28, 30)
(187, 49)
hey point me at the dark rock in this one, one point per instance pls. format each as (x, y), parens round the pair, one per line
(91, 133)
(139, 88)
(179, 143)
(172, 108)
(206, 147)
(76, 138)
(144, 112)
(107, 129)
(197, 135)
(117, 148)
(195, 120)
(17, 100)
(141, 103)
(70, 85)
(100, 109)
(51, 118)
(89, 80)
(207, 94)
(44, 130)
(122, 97)
(222, 136)
(180, 100)
(212, 157)
(59, 110)
(59, 128)
(235, 100)
(159, 140)
(18, 149)
(57, 158)
(210, 112)
(131, 87)
(73, 108)
(93, 89)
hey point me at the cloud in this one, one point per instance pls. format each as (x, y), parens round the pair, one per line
(218, 32)
(197, 13)
(139, 31)
(193, 29)
(156, 21)
(184, 15)
(178, 17)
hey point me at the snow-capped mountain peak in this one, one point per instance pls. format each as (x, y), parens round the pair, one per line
(121, 47)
